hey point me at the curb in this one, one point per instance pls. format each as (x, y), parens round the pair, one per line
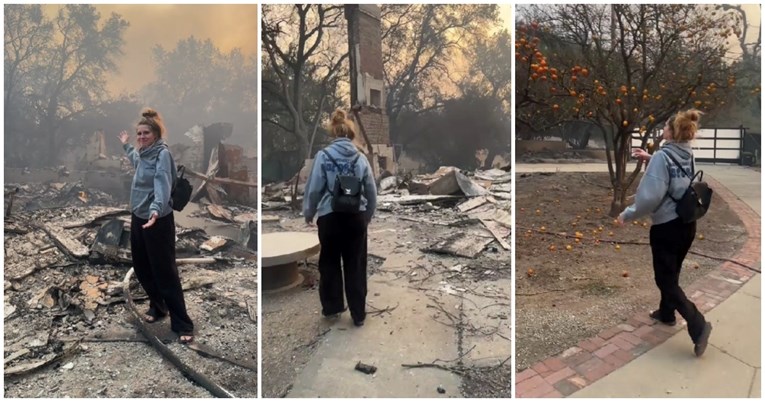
(594, 358)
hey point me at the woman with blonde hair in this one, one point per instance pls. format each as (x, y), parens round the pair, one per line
(152, 225)
(341, 191)
(670, 237)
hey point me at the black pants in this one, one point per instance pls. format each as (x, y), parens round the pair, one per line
(343, 237)
(670, 243)
(153, 252)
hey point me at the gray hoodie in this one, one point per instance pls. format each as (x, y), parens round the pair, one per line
(153, 180)
(662, 177)
(318, 191)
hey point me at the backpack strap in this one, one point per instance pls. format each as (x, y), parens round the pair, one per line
(693, 175)
(700, 173)
(175, 169)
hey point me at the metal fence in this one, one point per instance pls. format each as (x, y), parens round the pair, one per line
(722, 145)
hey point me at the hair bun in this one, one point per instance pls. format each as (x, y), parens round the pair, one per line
(149, 113)
(338, 117)
(694, 115)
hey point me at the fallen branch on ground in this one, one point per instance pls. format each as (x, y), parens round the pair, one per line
(104, 340)
(584, 177)
(543, 292)
(314, 341)
(459, 370)
(456, 370)
(725, 259)
(168, 354)
(205, 351)
(377, 311)
(458, 358)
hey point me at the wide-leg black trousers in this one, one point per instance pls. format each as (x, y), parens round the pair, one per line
(153, 252)
(670, 243)
(343, 239)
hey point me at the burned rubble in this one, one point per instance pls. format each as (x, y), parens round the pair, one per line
(68, 328)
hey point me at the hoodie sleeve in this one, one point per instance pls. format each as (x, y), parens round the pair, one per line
(370, 190)
(651, 190)
(314, 188)
(132, 154)
(163, 179)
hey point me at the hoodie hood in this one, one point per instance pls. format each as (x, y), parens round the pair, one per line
(152, 183)
(153, 150)
(343, 147)
(680, 150)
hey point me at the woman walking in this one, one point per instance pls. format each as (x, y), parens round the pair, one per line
(670, 237)
(343, 235)
(152, 226)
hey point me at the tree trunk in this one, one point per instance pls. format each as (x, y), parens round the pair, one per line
(301, 135)
(49, 131)
(619, 200)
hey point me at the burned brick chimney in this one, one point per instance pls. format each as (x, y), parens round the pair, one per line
(367, 84)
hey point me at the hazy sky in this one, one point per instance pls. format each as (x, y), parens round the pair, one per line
(228, 26)
(505, 12)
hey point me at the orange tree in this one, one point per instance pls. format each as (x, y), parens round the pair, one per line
(624, 68)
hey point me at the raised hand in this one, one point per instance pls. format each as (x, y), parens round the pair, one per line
(124, 137)
(641, 154)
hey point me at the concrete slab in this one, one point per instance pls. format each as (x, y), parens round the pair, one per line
(407, 336)
(286, 247)
(489, 315)
(672, 370)
(735, 333)
(756, 385)
(564, 167)
(753, 287)
(743, 181)
(187, 218)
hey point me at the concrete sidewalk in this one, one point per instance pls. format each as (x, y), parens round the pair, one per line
(731, 366)
(408, 335)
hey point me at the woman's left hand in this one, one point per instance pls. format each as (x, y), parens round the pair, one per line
(151, 221)
(620, 220)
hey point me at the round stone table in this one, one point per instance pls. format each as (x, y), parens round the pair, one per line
(280, 253)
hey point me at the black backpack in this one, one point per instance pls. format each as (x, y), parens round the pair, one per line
(697, 197)
(346, 194)
(180, 194)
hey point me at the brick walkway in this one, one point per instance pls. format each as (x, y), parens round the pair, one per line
(596, 357)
